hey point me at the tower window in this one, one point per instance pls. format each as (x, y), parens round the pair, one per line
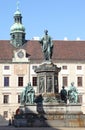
(18, 19)
(15, 20)
(23, 36)
(13, 36)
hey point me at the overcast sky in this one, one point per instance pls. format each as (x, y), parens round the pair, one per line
(62, 18)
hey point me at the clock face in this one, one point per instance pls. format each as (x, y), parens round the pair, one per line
(20, 54)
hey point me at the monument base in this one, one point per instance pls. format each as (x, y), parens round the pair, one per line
(28, 108)
(51, 108)
(42, 115)
(62, 108)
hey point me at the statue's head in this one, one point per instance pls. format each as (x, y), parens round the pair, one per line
(63, 87)
(46, 31)
(72, 83)
(29, 84)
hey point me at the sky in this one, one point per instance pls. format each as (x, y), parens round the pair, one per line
(62, 18)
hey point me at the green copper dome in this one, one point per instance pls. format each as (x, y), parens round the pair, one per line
(17, 12)
(17, 30)
(17, 27)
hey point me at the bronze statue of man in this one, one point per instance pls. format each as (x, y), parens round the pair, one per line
(47, 46)
(30, 93)
(63, 94)
(73, 94)
(27, 95)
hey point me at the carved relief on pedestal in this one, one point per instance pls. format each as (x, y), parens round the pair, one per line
(49, 84)
(41, 84)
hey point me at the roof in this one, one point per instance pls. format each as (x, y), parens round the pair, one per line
(63, 50)
(69, 50)
(6, 50)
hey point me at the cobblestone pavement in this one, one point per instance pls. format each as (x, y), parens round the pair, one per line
(40, 128)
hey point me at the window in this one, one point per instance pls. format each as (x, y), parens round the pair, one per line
(79, 81)
(6, 81)
(5, 114)
(20, 81)
(6, 99)
(65, 81)
(64, 67)
(18, 98)
(13, 36)
(34, 81)
(79, 67)
(34, 67)
(6, 67)
(80, 98)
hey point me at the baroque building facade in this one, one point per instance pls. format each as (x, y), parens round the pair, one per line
(19, 58)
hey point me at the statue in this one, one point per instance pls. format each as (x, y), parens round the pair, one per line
(72, 94)
(47, 46)
(27, 96)
(63, 94)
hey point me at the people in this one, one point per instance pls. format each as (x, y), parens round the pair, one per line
(72, 94)
(63, 94)
(47, 46)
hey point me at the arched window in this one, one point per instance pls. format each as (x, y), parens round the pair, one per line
(13, 36)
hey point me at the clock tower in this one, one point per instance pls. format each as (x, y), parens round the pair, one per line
(17, 30)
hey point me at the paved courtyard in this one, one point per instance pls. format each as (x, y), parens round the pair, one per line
(39, 128)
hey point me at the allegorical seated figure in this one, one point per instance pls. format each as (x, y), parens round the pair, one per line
(73, 94)
(27, 96)
(63, 94)
(30, 93)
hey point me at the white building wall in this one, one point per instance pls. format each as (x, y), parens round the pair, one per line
(28, 72)
(72, 74)
(13, 89)
(33, 74)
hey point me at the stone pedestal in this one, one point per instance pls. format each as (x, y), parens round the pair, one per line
(51, 108)
(54, 108)
(48, 109)
(28, 108)
(52, 114)
(47, 78)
